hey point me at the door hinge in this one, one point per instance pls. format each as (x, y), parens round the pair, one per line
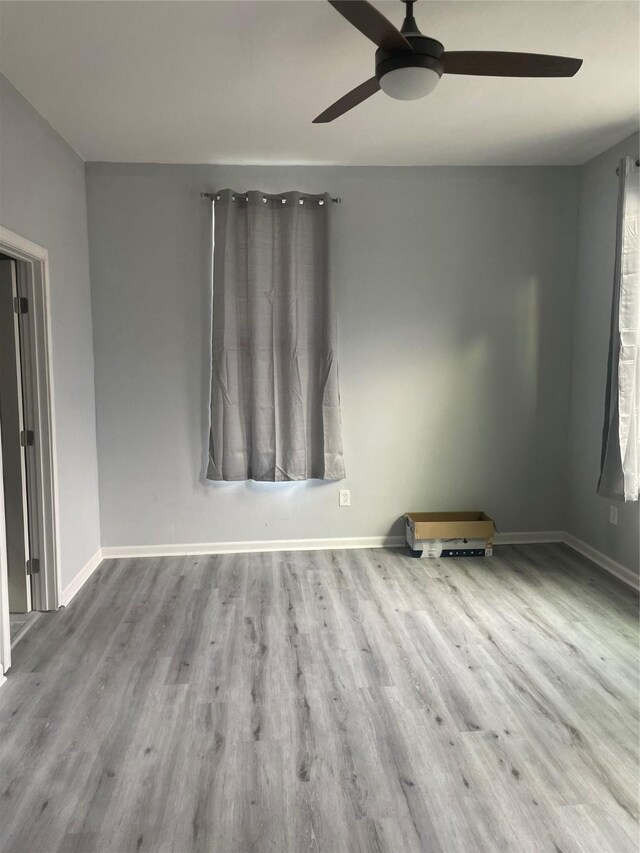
(33, 566)
(21, 304)
(27, 438)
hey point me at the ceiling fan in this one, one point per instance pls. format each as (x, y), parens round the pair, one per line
(410, 64)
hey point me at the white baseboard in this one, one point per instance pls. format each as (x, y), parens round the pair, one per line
(607, 563)
(193, 548)
(529, 537)
(199, 548)
(81, 578)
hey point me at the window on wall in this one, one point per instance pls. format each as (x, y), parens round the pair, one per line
(620, 462)
(275, 400)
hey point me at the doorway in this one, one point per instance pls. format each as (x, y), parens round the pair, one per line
(17, 440)
(29, 541)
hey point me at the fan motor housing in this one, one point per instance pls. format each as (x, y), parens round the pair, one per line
(426, 54)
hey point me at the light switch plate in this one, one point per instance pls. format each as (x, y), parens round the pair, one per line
(613, 514)
(345, 497)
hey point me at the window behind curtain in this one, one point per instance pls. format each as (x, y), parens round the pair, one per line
(620, 463)
(275, 401)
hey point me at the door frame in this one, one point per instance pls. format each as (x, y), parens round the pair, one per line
(46, 585)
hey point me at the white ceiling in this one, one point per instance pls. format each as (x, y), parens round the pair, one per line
(240, 82)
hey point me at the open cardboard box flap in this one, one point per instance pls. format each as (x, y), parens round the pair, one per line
(450, 525)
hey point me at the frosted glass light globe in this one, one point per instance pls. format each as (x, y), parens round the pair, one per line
(410, 83)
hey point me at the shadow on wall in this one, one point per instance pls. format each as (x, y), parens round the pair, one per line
(489, 390)
(479, 384)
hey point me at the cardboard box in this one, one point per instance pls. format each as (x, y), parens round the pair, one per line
(443, 534)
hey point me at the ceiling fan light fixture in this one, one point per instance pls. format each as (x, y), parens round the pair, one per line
(409, 83)
(409, 64)
(409, 76)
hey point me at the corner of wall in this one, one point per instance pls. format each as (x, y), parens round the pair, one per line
(574, 292)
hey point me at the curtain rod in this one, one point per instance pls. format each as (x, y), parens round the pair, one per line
(336, 200)
(618, 167)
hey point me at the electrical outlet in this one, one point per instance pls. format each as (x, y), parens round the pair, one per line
(613, 514)
(345, 497)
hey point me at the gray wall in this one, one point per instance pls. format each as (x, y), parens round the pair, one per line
(42, 197)
(454, 297)
(588, 514)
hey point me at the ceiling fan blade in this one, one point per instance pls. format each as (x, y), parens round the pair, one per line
(371, 23)
(349, 101)
(502, 64)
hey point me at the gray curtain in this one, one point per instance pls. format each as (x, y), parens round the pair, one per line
(275, 400)
(619, 464)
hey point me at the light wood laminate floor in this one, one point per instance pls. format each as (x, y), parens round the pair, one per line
(330, 702)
